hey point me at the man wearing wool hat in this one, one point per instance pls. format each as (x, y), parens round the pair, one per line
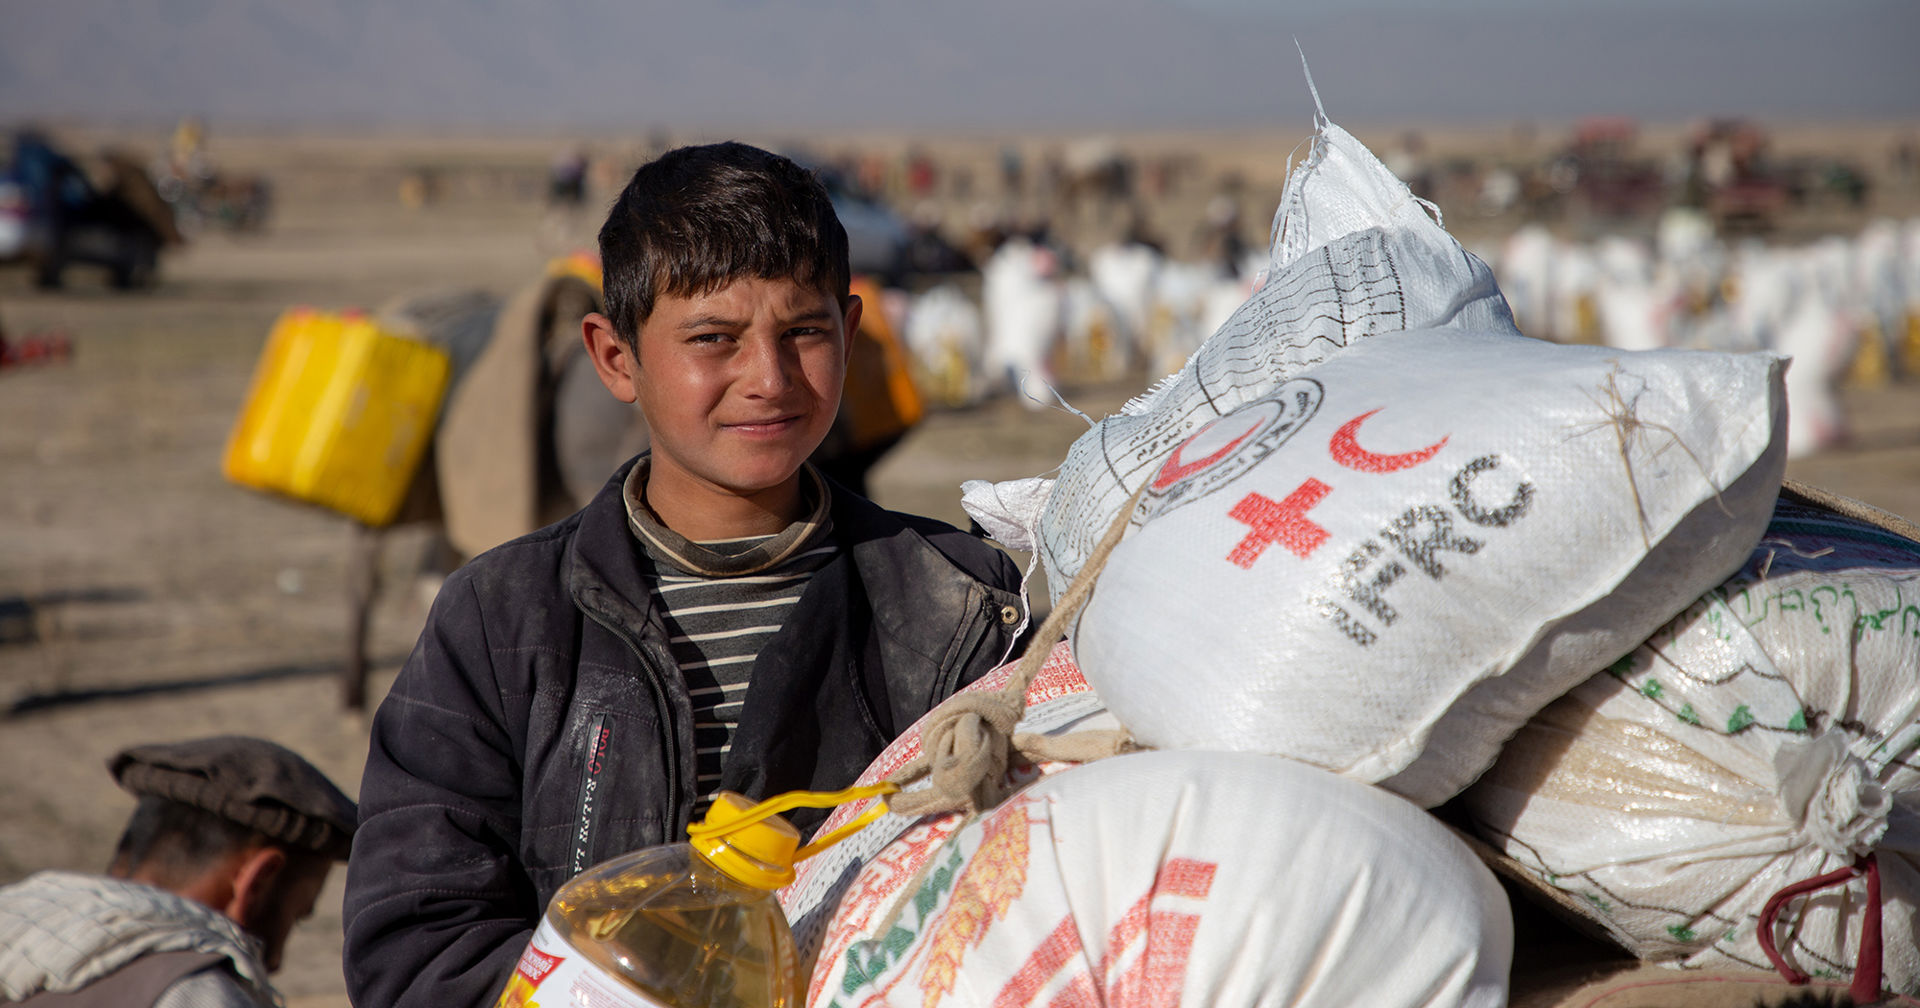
(228, 848)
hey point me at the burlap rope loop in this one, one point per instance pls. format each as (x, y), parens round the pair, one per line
(969, 743)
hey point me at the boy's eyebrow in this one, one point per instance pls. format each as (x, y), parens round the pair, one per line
(718, 321)
(710, 321)
(820, 314)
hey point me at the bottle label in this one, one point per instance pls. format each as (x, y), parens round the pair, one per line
(553, 974)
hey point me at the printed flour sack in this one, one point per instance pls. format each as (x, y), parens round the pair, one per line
(1354, 254)
(1767, 736)
(1210, 880)
(1385, 566)
(824, 904)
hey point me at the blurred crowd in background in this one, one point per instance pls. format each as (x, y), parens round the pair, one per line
(1092, 258)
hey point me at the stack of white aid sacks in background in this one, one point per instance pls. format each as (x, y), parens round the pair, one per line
(1379, 530)
(1765, 738)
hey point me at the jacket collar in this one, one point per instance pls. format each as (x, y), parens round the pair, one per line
(766, 553)
(604, 575)
(602, 566)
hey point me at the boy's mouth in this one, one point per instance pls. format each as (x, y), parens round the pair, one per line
(767, 427)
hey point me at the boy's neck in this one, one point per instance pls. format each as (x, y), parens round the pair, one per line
(704, 514)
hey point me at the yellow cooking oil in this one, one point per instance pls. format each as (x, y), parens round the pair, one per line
(684, 925)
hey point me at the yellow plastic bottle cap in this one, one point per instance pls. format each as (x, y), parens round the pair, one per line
(758, 854)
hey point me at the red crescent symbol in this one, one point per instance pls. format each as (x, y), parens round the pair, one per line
(1174, 471)
(1347, 451)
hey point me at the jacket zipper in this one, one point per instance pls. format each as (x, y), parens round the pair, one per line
(670, 735)
(599, 734)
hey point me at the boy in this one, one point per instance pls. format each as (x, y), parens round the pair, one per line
(720, 616)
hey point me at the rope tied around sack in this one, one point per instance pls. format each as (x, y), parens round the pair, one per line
(969, 742)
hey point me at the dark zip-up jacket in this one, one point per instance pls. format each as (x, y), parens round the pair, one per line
(541, 726)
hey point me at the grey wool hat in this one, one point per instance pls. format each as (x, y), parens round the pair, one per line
(250, 781)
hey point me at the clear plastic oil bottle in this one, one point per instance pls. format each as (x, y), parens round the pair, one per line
(684, 925)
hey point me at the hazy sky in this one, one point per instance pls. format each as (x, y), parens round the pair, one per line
(985, 65)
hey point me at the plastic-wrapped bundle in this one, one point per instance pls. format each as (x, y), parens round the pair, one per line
(1766, 737)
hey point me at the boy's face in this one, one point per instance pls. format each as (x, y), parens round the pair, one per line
(738, 386)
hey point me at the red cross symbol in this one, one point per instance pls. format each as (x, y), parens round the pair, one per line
(1285, 522)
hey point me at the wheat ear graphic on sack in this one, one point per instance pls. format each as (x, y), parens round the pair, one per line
(1621, 415)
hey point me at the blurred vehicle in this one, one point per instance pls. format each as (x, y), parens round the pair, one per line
(1730, 176)
(1599, 174)
(1750, 204)
(64, 216)
(877, 237)
(13, 219)
(201, 195)
(882, 242)
(233, 203)
(1812, 181)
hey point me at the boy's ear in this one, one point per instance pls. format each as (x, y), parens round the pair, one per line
(851, 312)
(612, 359)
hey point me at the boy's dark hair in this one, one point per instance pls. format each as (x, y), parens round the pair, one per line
(697, 218)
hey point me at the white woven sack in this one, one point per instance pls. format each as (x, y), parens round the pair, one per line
(1768, 735)
(1385, 567)
(822, 903)
(1353, 254)
(1210, 880)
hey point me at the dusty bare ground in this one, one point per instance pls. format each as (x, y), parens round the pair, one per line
(143, 597)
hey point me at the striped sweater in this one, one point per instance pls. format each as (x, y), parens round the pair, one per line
(721, 601)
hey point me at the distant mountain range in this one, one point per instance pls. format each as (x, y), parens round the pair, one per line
(986, 65)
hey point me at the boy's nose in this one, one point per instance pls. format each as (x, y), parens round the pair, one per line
(764, 368)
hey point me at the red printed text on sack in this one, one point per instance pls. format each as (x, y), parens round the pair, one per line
(1418, 537)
